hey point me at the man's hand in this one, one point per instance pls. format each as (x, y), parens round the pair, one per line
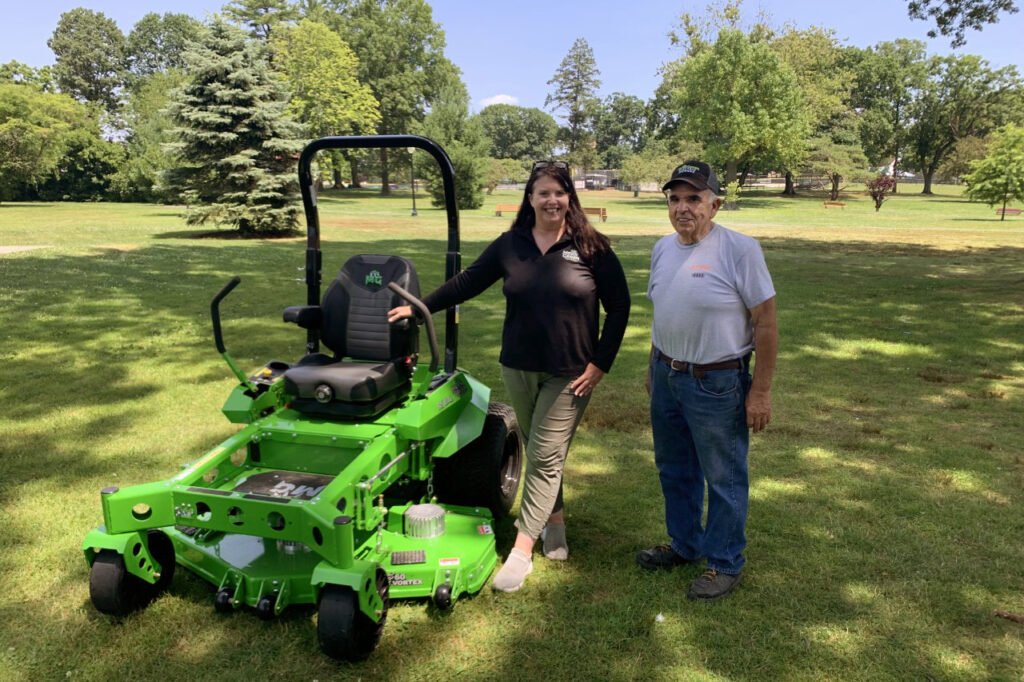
(759, 409)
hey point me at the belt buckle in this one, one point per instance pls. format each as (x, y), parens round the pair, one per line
(679, 365)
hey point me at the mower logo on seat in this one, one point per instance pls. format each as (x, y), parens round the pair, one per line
(374, 278)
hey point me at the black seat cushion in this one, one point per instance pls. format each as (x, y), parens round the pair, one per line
(346, 389)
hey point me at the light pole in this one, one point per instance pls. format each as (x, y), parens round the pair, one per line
(412, 176)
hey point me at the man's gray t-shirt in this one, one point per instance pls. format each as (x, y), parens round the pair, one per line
(702, 294)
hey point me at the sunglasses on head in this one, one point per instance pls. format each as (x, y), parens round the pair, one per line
(540, 165)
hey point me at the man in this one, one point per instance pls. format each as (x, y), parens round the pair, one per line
(714, 303)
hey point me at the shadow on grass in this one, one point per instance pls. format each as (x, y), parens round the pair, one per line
(882, 493)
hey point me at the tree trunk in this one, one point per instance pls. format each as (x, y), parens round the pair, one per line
(353, 165)
(336, 177)
(385, 181)
(928, 173)
(790, 190)
(731, 171)
(833, 194)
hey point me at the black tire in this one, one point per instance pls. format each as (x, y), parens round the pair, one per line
(223, 601)
(443, 597)
(487, 472)
(116, 592)
(265, 608)
(343, 630)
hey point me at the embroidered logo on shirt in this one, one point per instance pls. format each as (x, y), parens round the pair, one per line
(571, 255)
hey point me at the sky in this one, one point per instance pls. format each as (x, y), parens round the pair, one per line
(508, 51)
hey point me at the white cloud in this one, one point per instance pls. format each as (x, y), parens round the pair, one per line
(499, 99)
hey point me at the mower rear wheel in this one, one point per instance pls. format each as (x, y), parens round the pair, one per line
(487, 472)
(343, 630)
(116, 592)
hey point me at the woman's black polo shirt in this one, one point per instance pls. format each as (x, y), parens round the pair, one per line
(551, 303)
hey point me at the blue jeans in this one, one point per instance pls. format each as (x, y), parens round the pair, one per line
(700, 434)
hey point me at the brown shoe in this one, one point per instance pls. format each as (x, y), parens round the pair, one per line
(712, 585)
(660, 557)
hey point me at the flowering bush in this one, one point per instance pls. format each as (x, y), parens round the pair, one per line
(879, 187)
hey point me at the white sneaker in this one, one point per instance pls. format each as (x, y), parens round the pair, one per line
(513, 573)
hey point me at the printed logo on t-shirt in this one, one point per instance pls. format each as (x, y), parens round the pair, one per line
(571, 255)
(699, 269)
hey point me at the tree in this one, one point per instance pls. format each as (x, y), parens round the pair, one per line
(261, 17)
(16, 72)
(236, 144)
(321, 72)
(647, 168)
(837, 155)
(888, 78)
(85, 169)
(503, 169)
(34, 131)
(741, 102)
(576, 81)
(522, 133)
(879, 187)
(148, 126)
(90, 57)
(619, 126)
(999, 177)
(958, 163)
(327, 97)
(820, 67)
(401, 58)
(953, 17)
(463, 138)
(962, 98)
(157, 43)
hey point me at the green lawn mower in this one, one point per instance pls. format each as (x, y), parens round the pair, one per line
(360, 475)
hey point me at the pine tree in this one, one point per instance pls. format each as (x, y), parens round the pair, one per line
(576, 82)
(236, 146)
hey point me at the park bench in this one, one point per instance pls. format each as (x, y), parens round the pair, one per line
(835, 204)
(1008, 211)
(500, 208)
(601, 212)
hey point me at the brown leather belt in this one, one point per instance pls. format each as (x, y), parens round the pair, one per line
(698, 370)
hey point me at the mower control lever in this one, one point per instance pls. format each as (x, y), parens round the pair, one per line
(218, 339)
(424, 312)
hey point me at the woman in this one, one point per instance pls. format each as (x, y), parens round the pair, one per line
(557, 269)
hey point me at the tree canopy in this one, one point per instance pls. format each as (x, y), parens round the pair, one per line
(741, 101)
(90, 57)
(954, 17)
(519, 132)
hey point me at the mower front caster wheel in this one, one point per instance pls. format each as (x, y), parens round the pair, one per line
(443, 597)
(265, 608)
(343, 630)
(116, 592)
(224, 601)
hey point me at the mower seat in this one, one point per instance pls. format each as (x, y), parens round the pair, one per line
(371, 367)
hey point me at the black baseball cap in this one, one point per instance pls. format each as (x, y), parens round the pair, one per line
(695, 173)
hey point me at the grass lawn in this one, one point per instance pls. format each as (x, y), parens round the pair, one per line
(886, 524)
